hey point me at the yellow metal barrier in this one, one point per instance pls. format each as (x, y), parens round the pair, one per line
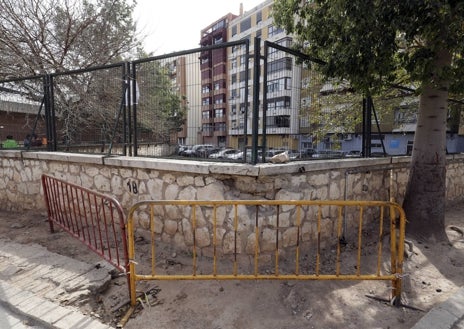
(303, 227)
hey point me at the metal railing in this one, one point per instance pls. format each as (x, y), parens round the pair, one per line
(93, 218)
(304, 227)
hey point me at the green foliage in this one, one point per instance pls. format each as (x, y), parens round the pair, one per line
(161, 110)
(377, 44)
(372, 44)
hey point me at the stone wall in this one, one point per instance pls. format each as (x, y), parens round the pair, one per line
(130, 180)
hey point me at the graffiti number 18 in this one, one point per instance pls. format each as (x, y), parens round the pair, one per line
(132, 185)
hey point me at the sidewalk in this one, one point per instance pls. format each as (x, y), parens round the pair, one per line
(448, 315)
(43, 286)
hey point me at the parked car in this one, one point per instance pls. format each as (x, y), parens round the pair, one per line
(204, 152)
(183, 148)
(308, 153)
(272, 152)
(295, 155)
(239, 156)
(303, 154)
(223, 153)
(353, 154)
(197, 150)
(328, 154)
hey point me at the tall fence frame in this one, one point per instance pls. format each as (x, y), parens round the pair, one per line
(118, 121)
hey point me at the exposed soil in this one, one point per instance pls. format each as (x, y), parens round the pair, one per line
(432, 274)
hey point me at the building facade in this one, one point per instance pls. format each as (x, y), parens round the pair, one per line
(185, 76)
(280, 117)
(214, 76)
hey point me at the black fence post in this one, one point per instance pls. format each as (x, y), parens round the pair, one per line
(264, 123)
(132, 106)
(367, 127)
(255, 118)
(245, 120)
(50, 122)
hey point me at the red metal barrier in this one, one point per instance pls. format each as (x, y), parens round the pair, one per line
(93, 218)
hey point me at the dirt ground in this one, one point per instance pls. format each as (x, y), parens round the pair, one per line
(432, 274)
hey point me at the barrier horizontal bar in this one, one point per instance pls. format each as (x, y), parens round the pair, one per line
(327, 277)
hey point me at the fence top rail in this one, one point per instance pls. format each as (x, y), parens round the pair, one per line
(192, 51)
(31, 77)
(342, 203)
(89, 69)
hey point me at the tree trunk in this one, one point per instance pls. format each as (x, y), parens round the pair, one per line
(425, 197)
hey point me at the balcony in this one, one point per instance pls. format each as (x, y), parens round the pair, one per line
(206, 120)
(206, 107)
(207, 132)
(220, 76)
(220, 119)
(205, 80)
(220, 91)
(221, 132)
(219, 106)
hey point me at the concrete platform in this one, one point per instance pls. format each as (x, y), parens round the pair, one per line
(43, 286)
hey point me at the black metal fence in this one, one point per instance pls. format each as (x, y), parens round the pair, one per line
(221, 102)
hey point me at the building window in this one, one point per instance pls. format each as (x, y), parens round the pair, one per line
(258, 33)
(279, 85)
(242, 107)
(285, 42)
(278, 103)
(280, 65)
(234, 31)
(243, 75)
(219, 84)
(205, 114)
(219, 99)
(219, 113)
(259, 17)
(279, 121)
(272, 30)
(207, 128)
(206, 89)
(220, 126)
(219, 25)
(233, 78)
(245, 24)
(233, 64)
(242, 93)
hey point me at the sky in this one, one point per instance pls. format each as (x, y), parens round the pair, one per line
(175, 25)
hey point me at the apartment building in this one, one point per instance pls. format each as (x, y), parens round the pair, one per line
(184, 73)
(214, 75)
(283, 83)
